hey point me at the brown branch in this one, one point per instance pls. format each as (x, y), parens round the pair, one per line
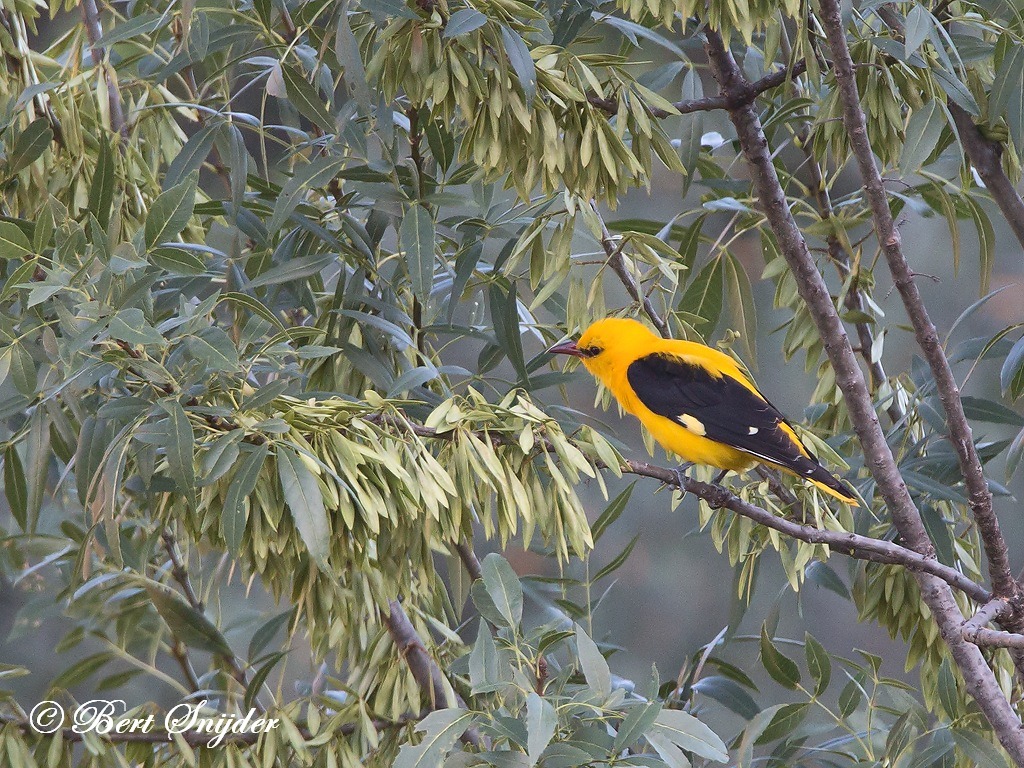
(425, 672)
(981, 682)
(975, 631)
(711, 103)
(469, 560)
(180, 574)
(94, 31)
(1003, 583)
(617, 263)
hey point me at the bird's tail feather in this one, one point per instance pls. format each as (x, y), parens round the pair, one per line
(833, 486)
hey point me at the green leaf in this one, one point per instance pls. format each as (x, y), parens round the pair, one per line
(187, 624)
(729, 694)
(703, 296)
(29, 145)
(213, 347)
(818, 664)
(785, 720)
(635, 724)
(263, 636)
(923, 132)
(949, 696)
(179, 445)
(522, 63)
(688, 733)
(919, 24)
(306, 99)
(822, 574)
(956, 90)
(1011, 375)
(416, 236)
(618, 561)
(243, 482)
(101, 189)
(440, 729)
(302, 495)
(15, 486)
(741, 301)
(541, 723)
(611, 512)
(982, 752)
(191, 156)
(1007, 96)
(171, 211)
(464, 21)
(130, 325)
(504, 588)
(13, 243)
(177, 261)
(347, 49)
(293, 269)
(306, 177)
(595, 667)
(782, 669)
(980, 409)
(851, 696)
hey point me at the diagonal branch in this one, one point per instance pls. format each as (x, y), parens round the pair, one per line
(981, 682)
(975, 631)
(617, 262)
(1003, 583)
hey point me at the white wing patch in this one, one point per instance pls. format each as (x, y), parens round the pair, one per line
(752, 431)
(692, 424)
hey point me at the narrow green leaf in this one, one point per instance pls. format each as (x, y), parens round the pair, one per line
(306, 177)
(13, 243)
(504, 588)
(729, 694)
(782, 669)
(611, 512)
(919, 24)
(29, 145)
(416, 236)
(922, 136)
(171, 211)
(595, 667)
(522, 63)
(302, 495)
(233, 516)
(15, 486)
(690, 734)
(463, 22)
(541, 723)
(818, 664)
(187, 624)
(177, 261)
(306, 99)
(1013, 370)
(703, 296)
(179, 445)
(440, 729)
(101, 189)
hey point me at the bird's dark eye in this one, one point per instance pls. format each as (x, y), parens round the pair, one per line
(591, 351)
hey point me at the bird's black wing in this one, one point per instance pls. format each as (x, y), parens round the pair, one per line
(722, 407)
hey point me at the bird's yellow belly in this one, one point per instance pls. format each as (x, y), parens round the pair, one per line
(690, 446)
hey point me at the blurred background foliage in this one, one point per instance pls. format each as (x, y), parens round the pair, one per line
(278, 280)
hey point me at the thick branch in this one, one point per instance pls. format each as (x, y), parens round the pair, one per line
(711, 103)
(94, 31)
(1003, 583)
(618, 264)
(981, 682)
(425, 671)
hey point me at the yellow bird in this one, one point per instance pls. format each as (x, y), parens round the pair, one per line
(696, 402)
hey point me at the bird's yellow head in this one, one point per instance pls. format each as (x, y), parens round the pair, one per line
(608, 346)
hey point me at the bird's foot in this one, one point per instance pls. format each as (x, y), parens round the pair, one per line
(720, 477)
(680, 473)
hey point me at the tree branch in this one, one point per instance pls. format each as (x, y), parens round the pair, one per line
(180, 574)
(1003, 583)
(711, 103)
(981, 682)
(617, 263)
(425, 672)
(974, 631)
(94, 31)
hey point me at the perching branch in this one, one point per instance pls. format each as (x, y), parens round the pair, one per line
(711, 103)
(981, 682)
(1003, 583)
(617, 263)
(94, 31)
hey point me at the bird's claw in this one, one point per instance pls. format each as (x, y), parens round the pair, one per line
(680, 473)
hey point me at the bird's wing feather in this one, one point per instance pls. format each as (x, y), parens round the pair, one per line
(728, 411)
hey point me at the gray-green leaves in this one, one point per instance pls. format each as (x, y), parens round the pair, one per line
(416, 235)
(171, 211)
(305, 502)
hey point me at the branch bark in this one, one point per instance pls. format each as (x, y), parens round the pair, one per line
(1003, 583)
(981, 682)
(94, 31)
(975, 631)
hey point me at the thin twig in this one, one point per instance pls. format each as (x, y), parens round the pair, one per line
(617, 263)
(974, 629)
(94, 31)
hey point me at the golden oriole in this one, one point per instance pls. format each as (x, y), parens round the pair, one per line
(696, 402)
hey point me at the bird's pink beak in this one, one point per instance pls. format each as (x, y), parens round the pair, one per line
(566, 348)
